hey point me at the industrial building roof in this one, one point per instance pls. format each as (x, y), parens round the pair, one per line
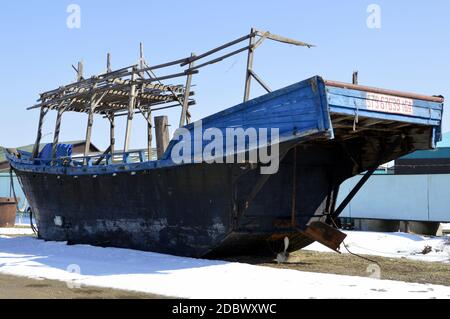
(442, 150)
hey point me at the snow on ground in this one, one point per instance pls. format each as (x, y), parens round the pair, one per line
(395, 245)
(189, 278)
(16, 231)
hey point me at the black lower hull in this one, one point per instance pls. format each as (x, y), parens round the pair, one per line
(191, 210)
(202, 209)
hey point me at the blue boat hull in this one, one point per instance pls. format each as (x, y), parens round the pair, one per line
(201, 209)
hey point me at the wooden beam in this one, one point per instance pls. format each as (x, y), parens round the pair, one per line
(80, 71)
(185, 119)
(261, 40)
(131, 105)
(221, 58)
(141, 60)
(56, 134)
(282, 39)
(92, 105)
(90, 123)
(210, 52)
(102, 157)
(112, 137)
(147, 114)
(39, 132)
(248, 77)
(149, 135)
(162, 134)
(260, 81)
(108, 63)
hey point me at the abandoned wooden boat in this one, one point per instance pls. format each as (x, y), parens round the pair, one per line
(327, 132)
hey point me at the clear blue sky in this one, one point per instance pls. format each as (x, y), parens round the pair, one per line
(410, 52)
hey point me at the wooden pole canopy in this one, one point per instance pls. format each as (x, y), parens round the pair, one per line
(137, 89)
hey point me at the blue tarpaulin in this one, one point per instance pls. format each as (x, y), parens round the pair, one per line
(62, 150)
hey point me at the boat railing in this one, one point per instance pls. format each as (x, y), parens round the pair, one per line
(139, 156)
(100, 159)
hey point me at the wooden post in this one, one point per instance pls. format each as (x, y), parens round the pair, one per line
(131, 106)
(185, 118)
(39, 133)
(92, 105)
(57, 130)
(162, 134)
(80, 70)
(248, 77)
(141, 59)
(108, 63)
(90, 123)
(149, 135)
(355, 78)
(112, 138)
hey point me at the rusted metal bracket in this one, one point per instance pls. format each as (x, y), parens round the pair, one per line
(326, 235)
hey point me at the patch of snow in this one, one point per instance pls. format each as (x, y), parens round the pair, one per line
(16, 231)
(394, 245)
(189, 278)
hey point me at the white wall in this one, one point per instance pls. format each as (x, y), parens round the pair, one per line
(400, 197)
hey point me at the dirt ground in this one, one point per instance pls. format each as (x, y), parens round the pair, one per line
(12, 287)
(400, 269)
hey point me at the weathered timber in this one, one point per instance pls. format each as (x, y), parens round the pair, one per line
(162, 134)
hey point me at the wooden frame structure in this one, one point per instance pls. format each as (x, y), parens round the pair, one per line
(137, 89)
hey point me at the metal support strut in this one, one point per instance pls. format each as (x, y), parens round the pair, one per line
(353, 192)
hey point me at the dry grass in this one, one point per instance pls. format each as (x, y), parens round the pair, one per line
(12, 287)
(333, 263)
